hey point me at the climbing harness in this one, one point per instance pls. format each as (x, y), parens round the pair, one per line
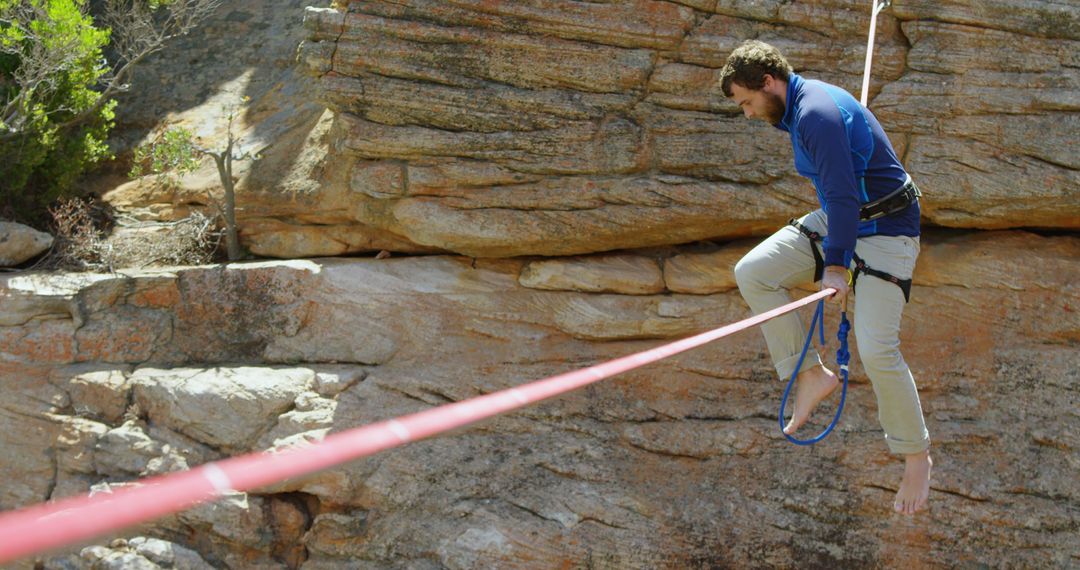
(862, 267)
(860, 264)
(843, 357)
(895, 202)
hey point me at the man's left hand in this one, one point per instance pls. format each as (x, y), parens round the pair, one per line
(839, 278)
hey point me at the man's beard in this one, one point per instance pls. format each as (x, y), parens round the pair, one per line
(774, 109)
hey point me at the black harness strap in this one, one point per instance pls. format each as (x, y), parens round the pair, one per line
(819, 262)
(860, 264)
(862, 267)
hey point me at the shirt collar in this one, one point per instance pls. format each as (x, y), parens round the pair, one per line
(794, 84)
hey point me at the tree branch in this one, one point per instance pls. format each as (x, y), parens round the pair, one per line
(137, 33)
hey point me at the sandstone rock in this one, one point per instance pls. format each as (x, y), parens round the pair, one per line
(280, 121)
(139, 552)
(76, 462)
(1040, 19)
(225, 407)
(704, 273)
(336, 534)
(568, 215)
(678, 142)
(167, 554)
(687, 87)
(797, 30)
(125, 451)
(628, 275)
(291, 520)
(19, 243)
(466, 56)
(291, 240)
(574, 147)
(102, 557)
(579, 474)
(984, 126)
(604, 317)
(685, 439)
(638, 23)
(178, 451)
(27, 434)
(100, 393)
(310, 420)
(39, 296)
(523, 131)
(66, 562)
(238, 518)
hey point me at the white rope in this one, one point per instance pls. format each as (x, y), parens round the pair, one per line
(878, 7)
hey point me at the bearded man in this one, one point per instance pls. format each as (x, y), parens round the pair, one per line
(868, 221)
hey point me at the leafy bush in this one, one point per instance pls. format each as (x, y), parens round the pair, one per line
(57, 88)
(174, 153)
(52, 126)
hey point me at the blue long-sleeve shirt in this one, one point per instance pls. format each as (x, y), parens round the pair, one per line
(840, 146)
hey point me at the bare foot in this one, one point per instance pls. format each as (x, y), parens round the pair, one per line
(812, 386)
(914, 493)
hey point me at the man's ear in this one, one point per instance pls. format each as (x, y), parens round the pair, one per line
(768, 82)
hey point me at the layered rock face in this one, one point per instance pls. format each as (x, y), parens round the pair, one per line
(498, 129)
(512, 132)
(553, 128)
(676, 465)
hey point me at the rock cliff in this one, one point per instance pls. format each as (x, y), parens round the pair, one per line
(499, 129)
(678, 465)
(579, 158)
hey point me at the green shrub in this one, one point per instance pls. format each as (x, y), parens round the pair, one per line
(51, 60)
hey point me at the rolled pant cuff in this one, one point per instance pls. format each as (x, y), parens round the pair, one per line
(786, 367)
(900, 447)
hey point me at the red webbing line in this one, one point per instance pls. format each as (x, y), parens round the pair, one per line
(38, 528)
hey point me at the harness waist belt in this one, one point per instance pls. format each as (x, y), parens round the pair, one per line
(896, 201)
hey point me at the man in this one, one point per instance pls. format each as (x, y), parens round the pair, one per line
(869, 216)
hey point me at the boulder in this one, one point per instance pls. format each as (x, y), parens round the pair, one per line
(19, 243)
(226, 408)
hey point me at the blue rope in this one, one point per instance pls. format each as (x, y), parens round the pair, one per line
(842, 359)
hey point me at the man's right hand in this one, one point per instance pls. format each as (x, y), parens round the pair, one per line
(839, 278)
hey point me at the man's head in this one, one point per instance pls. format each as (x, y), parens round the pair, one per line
(756, 77)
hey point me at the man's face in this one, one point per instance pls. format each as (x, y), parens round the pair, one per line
(758, 104)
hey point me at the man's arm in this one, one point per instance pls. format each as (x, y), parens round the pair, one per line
(825, 140)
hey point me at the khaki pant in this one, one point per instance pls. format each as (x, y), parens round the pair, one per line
(784, 260)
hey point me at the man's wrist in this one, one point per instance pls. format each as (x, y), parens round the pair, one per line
(840, 271)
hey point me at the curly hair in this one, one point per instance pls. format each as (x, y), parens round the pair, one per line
(750, 63)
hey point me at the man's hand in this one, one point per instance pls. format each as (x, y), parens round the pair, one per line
(838, 278)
